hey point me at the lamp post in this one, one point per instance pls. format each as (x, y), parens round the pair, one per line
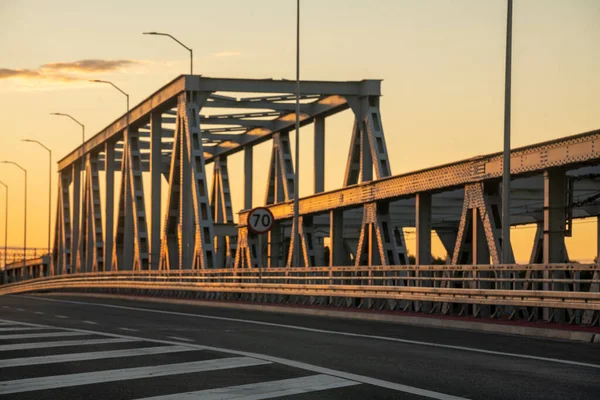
(49, 185)
(25, 213)
(182, 45)
(5, 226)
(295, 230)
(506, 155)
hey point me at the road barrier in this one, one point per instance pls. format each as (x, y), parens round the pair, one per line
(554, 292)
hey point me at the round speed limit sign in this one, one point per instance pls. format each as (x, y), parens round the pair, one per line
(260, 220)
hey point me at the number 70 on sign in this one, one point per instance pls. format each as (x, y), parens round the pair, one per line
(260, 220)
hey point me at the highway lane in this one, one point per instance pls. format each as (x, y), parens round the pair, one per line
(447, 362)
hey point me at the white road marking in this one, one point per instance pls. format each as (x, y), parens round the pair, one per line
(5, 307)
(180, 338)
(328, 332)
(114, 375)
(20, 309)
(129, 329)
(62, 316)
(41, 335)
(21, 328)
(39, 313)
(90, 322)
(62, 343)
(291, 363)
(264, 390)
(96, 355)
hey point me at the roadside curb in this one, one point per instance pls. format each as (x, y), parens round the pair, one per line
(433, 322)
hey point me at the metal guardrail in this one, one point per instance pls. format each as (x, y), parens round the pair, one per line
(514, 286)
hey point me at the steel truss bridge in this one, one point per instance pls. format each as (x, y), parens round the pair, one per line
(353, 249)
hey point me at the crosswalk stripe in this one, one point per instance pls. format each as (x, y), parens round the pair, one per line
(21, 328)
(62, 343)
(264, 390)
(41, 335)
(87, 378)
(96, 355)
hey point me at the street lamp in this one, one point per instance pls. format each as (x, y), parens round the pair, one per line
(295, 230)
(25, 213)
(182, 45)
(49, 185)
(116, 87)
(5, 225)
(506, 154)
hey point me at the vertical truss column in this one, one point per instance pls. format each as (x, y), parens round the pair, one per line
(280, 186)
(555, 185)
(95, 243)
(83, 232)
(246, 255)
(222, 211)
(376, 230)
(76, 179)
(319, 147)
(189, 105)
(109, 205)
(423, 229)
(155, 181)
(368, 150)
(307, 242)
(170, 240)
(336, 238)
(63, 230)
(138, 207)
(484, 200)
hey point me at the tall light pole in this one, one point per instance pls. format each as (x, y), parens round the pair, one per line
(182, 45)
(49, 185)
(25, 213)
(506, 156)
(295, 229)
(5, 226)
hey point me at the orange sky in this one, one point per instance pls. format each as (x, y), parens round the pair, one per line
(441, 62)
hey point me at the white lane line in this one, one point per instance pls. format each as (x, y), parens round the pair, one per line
(20, 309)
(291, 363)
(328, 332)
(62, 316)
(180, 338)
(41, 335)
(39, 313)
(5, 307)
(129, 329)
(21, 328)
(87, 378)
(264, 390)
(96, 355)
(63, 343)
(90, 322)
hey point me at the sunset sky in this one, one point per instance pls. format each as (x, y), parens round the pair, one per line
(441, 61)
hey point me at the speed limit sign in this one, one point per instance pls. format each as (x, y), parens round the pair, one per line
(260, 220)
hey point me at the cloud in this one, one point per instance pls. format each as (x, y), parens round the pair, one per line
(89, 66)
(227, 54)
(6, 73)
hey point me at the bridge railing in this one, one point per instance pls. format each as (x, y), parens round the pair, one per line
(558, 292)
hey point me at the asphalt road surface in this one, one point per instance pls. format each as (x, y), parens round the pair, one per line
(59, 347)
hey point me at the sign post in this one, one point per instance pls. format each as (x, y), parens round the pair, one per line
(260, 221)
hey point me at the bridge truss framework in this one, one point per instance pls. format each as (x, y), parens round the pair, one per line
(194, 121)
